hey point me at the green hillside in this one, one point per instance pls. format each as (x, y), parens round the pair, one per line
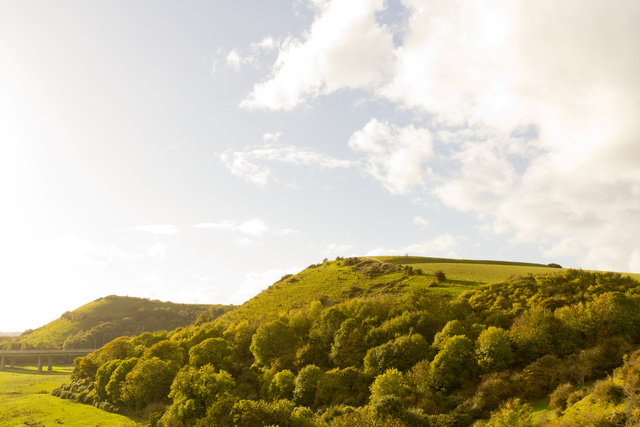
(343, 279)
(100, 321)
(390, 341)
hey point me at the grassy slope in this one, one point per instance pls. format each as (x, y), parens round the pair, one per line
(25, 399)
(112, 308)
(336, 282)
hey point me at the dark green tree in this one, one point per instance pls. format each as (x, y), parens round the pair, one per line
(271, 341)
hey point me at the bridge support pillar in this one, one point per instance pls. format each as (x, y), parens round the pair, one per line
(39, 363)
(13, 363)
(2, 363)
(50, 367)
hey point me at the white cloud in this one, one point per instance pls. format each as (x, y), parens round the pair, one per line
(243, 241)
(421, 222)
(257, 282)
(345, 47)
(443, 245)
(240, 165)
(235, 61)
(73, 250)
(253, 284)
(394, 156)
(569, 246)
(480, 72)
(273, 137)
(164, 229)
(153, 279)
(157, 250)
(336, 249)
(225, 225)
(253, 227)
(245, 163)
(483, 175)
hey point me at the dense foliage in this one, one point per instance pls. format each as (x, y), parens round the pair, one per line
(418, 357)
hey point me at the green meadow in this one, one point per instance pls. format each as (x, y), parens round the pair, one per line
(26, 400)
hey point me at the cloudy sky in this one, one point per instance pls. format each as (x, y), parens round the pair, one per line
(197, 151)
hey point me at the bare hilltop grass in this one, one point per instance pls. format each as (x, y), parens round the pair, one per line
(26, 400)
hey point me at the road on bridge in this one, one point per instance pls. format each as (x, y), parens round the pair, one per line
(40, 354)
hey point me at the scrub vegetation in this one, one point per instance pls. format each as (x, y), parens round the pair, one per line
(393, 341)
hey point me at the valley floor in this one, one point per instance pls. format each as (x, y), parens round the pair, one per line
(26, 400)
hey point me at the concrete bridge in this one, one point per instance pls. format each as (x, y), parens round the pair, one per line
(12, 355)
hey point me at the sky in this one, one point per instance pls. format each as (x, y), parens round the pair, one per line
(197, 151)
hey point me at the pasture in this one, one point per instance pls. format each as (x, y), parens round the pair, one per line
(26, 400)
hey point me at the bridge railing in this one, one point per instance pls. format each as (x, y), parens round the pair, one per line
(12, 355)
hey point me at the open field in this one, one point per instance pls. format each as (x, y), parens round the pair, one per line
(471, 270)
(26, 400)
(479, 271)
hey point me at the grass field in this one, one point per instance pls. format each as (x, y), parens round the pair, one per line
(26, 400)
(472, 271)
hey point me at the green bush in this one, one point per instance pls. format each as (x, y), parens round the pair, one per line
(608, 391)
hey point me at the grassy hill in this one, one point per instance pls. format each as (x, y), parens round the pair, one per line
(336, 281)
(399, 341)
(105, 319)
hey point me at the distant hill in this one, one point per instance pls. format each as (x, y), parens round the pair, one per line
(100, 321)
(10, 334)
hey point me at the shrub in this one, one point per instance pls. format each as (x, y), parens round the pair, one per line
(608, 391)
(558, 399)
(512, 413)
(440, 276)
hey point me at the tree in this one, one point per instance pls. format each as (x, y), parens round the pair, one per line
(120, 348)
(401, 353)
(193, 391)
(532, 334)
(343, 386)
(168, 351)
(451, 364)
(391, 383)
(282, 385)
(272, 341)
(306, 384)
(440, 276)
(149, 381)
(103, 376)
(493, 351)
(451, 329)
(212, 351)
(347, 348)
(116, 380)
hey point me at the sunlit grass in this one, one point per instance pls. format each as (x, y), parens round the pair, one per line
(26, 400)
